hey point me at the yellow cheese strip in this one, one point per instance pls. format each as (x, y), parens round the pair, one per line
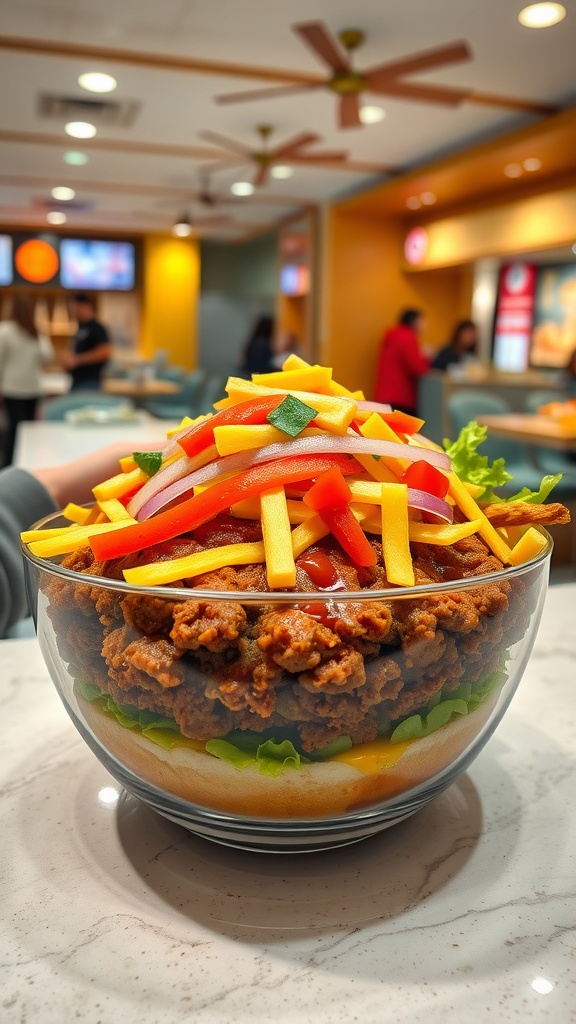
(186, 421)
(72, 538)
(474, 489)
(422, 533)
(280, 566)
(395, 536)
(333, 413)
(367, 491)
(232, 439)
(119, 485)
(298, 512)
(158, 573)
(27, 536)
(127, 464)
(376, 468)
(114, 510)
(373, 757)
(375, 427)
(76, 513)
(294, 362)
(528, 547)
(471, 510)
(308, 533)
(304, 378)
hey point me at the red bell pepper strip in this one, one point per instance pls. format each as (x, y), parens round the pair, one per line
(201, 507)
(402, 422)
(423, 477)
(256, 410)
(330, 497)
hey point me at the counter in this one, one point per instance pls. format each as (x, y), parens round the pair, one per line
(463, 913)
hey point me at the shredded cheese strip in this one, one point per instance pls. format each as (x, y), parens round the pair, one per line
(471, 510)
(303, 378)
(119, 485)
(427, 533)
(377, 429)
(114, 510)
(307, 534)
(395, 537)
(280, 566)
(234, 439)
(298, 512)
(333, 413)
(72, 538)
(155, 574)
(294, 362)
(531, 544)
(75, 513)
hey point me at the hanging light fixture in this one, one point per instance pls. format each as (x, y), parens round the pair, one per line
(183, 226)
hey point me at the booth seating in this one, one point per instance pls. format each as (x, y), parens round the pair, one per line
(56, 408)
(467, 405)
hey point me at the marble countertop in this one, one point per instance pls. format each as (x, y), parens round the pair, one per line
(464, 913)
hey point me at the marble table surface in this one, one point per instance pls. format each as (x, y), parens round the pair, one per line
(464, 913)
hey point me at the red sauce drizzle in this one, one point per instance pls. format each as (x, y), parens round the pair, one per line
(320, 569)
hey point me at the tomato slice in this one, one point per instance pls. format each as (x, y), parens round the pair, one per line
(424, 477)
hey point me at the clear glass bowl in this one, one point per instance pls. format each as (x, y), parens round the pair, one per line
(377, 671)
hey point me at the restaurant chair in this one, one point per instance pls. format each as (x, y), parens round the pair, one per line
(212, 391)
(549, 460)
(175, 374)
(56, 408)
(185, 403)
(469, 404)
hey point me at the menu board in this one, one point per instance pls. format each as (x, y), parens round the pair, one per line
(514, 316)
(80, 264)
(554, 326)
(5, 260)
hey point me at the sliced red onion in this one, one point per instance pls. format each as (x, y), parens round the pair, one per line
(373, 407)
(426, 502)
(167, 475)
(319, 445)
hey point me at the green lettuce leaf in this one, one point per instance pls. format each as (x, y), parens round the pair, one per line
(539, 496)
(270, 756)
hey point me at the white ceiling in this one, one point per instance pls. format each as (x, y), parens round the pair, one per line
(175, 106)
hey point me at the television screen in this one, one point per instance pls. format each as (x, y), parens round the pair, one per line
(96, 265)
(554, 327)
(294, 279)
(5, 260)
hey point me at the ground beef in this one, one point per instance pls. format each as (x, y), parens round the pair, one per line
(320, 670)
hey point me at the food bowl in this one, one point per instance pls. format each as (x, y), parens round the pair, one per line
(286, 721)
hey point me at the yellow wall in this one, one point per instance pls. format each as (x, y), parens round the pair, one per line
(366, 286)
(170, 298)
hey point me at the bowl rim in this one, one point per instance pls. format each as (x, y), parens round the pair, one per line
(282, 596)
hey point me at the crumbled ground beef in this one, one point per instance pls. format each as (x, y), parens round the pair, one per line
(322, 669)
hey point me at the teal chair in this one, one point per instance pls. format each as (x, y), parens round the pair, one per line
(175, 374)
(185, 403)
(469, 404)
(56, 408)
(212, 391)
(549, 460)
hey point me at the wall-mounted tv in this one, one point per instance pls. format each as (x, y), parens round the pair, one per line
(96, 265)
(294, 279)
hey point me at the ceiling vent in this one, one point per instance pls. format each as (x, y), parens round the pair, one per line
(74, 206)
(102, 113)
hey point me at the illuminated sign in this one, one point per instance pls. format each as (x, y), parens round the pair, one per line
(36, 261)
(415, 246)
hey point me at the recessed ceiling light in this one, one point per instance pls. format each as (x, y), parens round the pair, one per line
(512, 170)
(372, 114)
(282, 171)
(242, 188)
(97, 81)
(56, 217)
(63, 193)
(428, 198)
(541, 15)
(80, 129)
(74, 158)
(413, 202)
(532, 164)
(182, 228)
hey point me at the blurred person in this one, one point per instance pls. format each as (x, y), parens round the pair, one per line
(29, 495)
(91, 346)
(401, 363)
(461, 346)
(23, 353)
(569, 375)
(258, 352)
(285, 344)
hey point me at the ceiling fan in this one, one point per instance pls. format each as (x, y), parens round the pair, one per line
(292, 151)
(383, 79)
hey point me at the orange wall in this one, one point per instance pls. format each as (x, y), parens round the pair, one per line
(170, 298)
(365, 287)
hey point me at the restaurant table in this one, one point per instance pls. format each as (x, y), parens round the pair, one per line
(462, 914)
(41, 443)
(140, 390)
(532, 429)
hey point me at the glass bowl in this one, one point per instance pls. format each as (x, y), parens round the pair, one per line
(285, 721)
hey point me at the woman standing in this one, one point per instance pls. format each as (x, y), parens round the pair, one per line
(401, 363)
(23, 353)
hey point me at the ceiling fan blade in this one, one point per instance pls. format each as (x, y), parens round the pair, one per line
(295, 143)
(261, 176)
(444, 95)
(452, 53)
(275, 92)
(327, 156)
(317, 37)
(349, 111)
(225, 143)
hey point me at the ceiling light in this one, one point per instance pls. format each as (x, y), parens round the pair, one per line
(80, 129)
(541, 15)
(182, 228)
(281, 171)
(63, 193)
(56, 217)
(74, 158)
(372, 114)
(97, 81)
(242, 188)
(413, 202)
(532, 164)
(428, 198)
(512, 170)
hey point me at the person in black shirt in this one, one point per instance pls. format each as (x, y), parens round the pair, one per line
(461, 345)
(92, 348)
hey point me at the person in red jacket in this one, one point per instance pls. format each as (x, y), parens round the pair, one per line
(401, 363)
